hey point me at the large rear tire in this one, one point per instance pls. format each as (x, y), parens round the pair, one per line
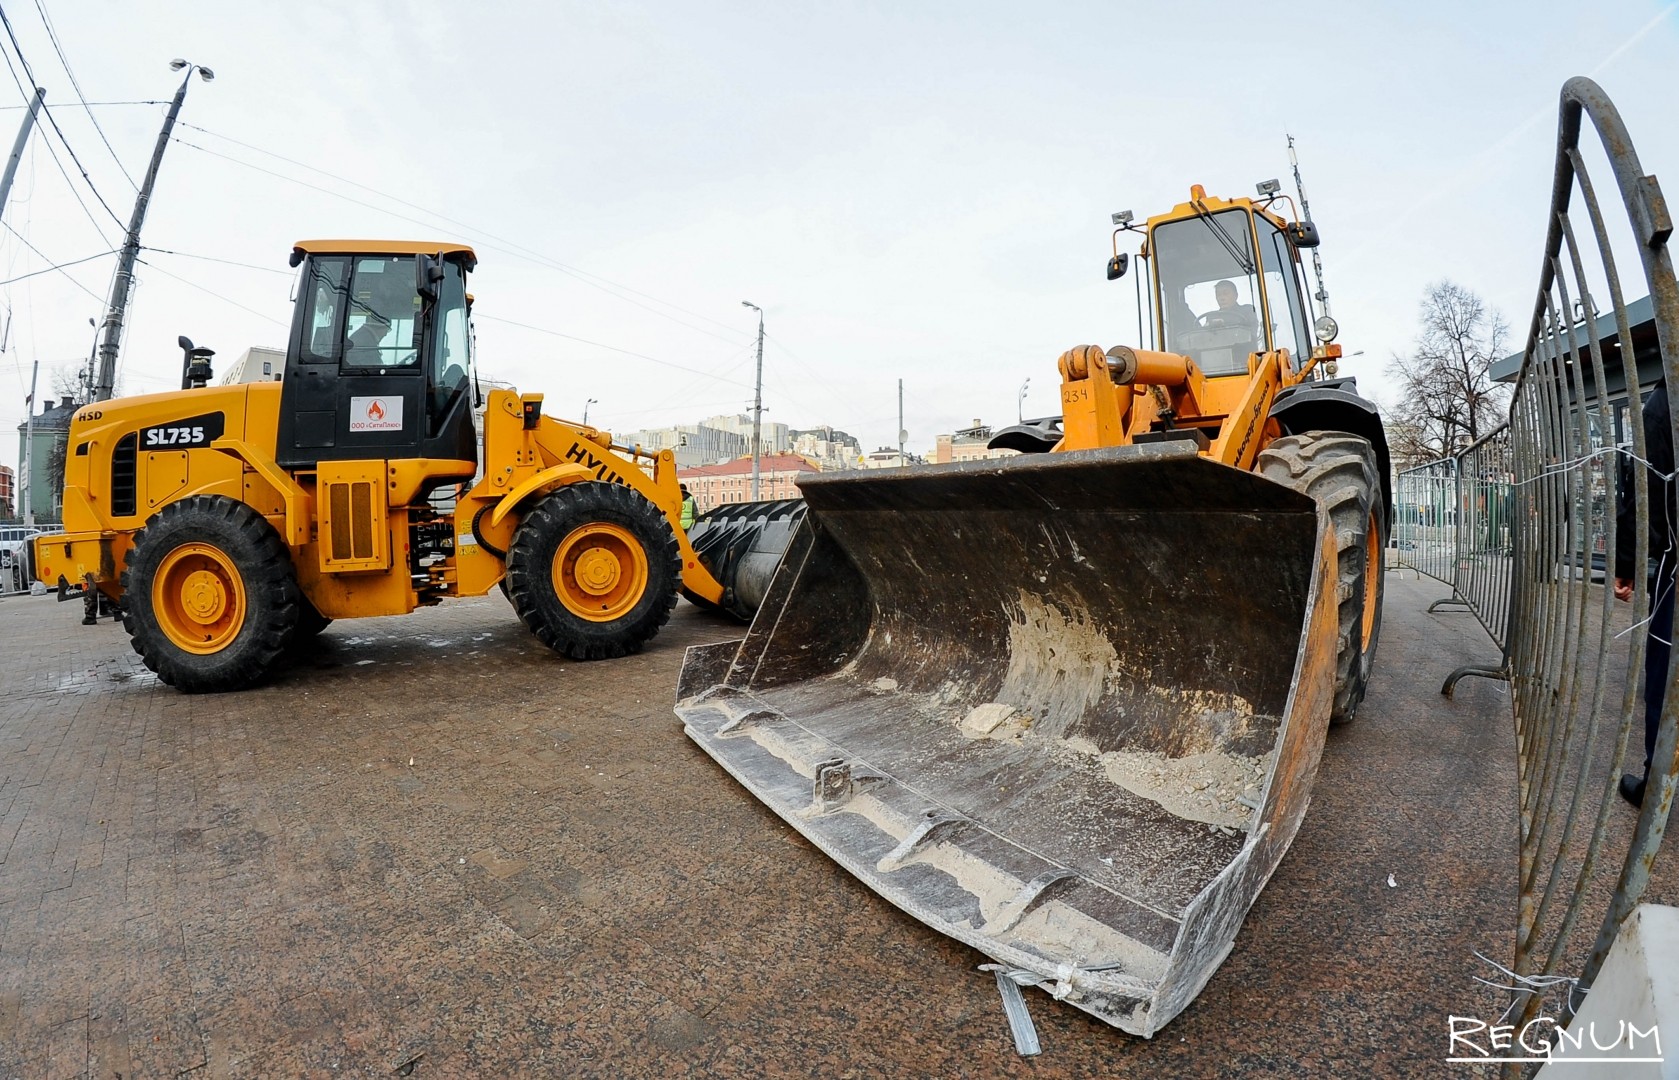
(593, 570)
(310, 621)
(1340, 471)
(210, 599)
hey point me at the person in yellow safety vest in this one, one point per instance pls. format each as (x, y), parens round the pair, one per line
(689, 509)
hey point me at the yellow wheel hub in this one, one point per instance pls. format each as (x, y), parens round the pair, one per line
(198, 597)
(600, 571)
(1372, 574)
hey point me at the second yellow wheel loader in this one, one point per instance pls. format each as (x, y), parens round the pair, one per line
(1067, 707)
(374, 478)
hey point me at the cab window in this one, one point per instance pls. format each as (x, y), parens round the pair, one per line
(452, 357)
(382, 322)
(1208, 280)
(324, 293)
(1289, 328)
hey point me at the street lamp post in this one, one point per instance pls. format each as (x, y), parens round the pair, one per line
(1020, 403)
(757, 399)
(122, 282)
(586, 404)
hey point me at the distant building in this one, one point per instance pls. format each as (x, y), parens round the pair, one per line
(831, 449)
(8, 492)
(258, 364)
(691, 444)
(1604, 335)
(718, 439)
(731, 482)
(46, 490)
(888, 458)
(967, 444)
(777, 437)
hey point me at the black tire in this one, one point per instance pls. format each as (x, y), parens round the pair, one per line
(310, 621)
(262, 563)
(530, 570)
(1340, 471)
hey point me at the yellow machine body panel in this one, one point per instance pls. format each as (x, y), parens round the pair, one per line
(526, 455)
(346, 520)
(127, 458)
(354, 530)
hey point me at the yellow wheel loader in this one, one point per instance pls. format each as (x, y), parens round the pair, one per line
(373, 478)
(1067, 706)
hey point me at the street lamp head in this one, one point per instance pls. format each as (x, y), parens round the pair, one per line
(203, 72)
(750, 304)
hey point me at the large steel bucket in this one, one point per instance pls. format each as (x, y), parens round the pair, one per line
(1066, 708)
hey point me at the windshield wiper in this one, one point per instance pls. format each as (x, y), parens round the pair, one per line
(1224, 238)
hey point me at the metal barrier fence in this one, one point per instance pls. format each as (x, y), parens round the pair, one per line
(1454, 520)
(1523, 526)
(15, 565)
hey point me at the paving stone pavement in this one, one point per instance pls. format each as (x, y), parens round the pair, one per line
(431, 848)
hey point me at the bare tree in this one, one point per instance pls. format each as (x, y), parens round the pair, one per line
(1447, 396)
(75, 383)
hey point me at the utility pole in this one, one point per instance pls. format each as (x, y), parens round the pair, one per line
(27, 496)
(902, 434)
(757, 400)
(123, 281)
(17, 147)
(28, 125)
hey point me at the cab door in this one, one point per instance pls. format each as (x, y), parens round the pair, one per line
(355, 382)
(380, 363)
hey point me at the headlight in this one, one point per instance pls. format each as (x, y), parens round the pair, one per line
(1325, 329)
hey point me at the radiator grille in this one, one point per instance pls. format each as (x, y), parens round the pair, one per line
(123, 476)
(351, 513)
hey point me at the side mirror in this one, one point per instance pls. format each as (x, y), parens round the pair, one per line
(428, 271)
(1304, 234)
(1118, 265)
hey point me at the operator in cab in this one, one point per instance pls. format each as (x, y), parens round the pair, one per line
(1229, 312)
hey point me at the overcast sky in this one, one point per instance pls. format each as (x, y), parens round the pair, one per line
(909, 190)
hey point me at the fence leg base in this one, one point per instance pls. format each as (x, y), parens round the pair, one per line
(1501, 674)
(1450, 601)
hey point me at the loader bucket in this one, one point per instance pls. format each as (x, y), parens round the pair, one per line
(1066, 708)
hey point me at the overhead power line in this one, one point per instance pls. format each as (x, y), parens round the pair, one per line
(52, 35)
(212, 258)
(511, 247)
(62, 171)
(212, 292)
(53, 121)
(57, 266)
(90, 104)
(612, 348)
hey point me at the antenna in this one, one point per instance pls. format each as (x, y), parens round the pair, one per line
(1306, 213)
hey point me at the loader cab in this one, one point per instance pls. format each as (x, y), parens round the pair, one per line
(379, 365)
(1227, 285)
